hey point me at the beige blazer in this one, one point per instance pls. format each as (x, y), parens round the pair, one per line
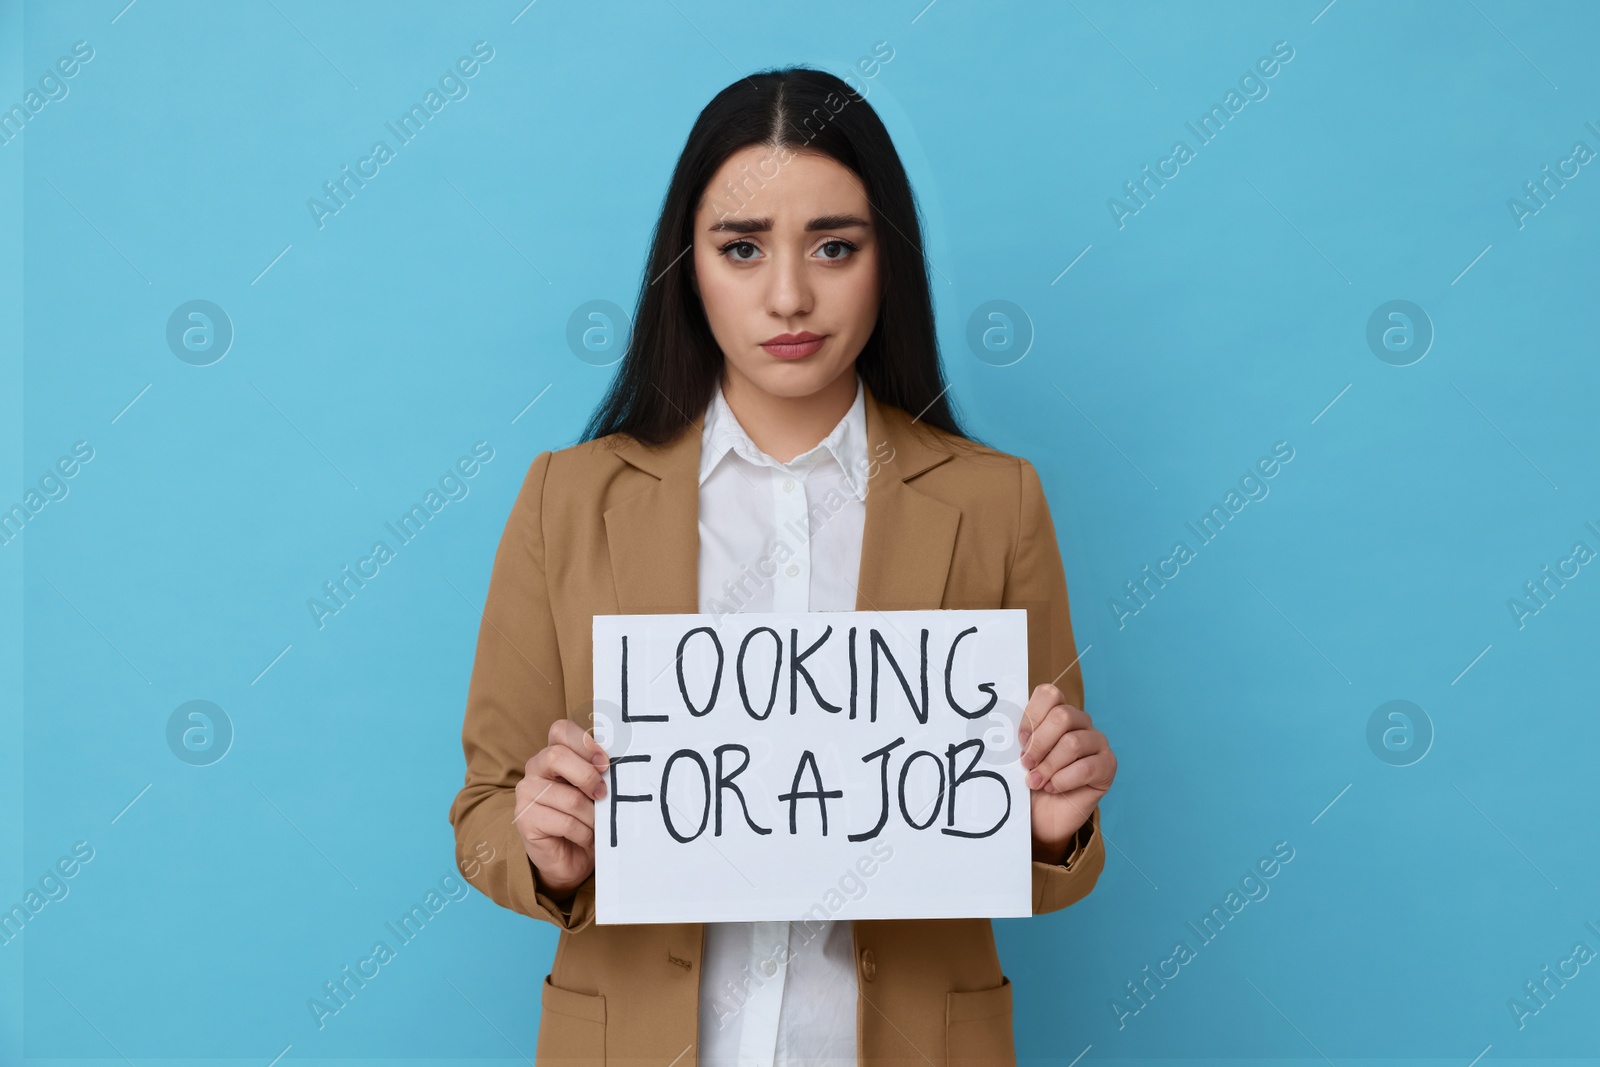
(611, 527)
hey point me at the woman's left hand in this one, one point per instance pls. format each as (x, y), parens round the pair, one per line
(1069, 767)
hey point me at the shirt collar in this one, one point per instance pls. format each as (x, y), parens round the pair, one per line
(846, 442)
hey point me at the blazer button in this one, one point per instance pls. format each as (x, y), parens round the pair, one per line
(869, 966)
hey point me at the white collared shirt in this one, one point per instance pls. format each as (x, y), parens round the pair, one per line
(779, 537)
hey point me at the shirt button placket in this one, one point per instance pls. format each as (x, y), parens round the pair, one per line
(793, 591)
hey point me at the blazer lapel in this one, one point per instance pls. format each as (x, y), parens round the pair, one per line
(653, 536)
(909, 537)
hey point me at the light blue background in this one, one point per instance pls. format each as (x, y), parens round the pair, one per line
(1230, 313)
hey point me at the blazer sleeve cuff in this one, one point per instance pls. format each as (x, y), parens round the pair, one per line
(1058, 885)
(532, 898)
(509, 878)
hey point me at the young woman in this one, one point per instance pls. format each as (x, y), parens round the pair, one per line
(783, 374)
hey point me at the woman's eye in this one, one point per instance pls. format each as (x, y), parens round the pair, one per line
(746, 252)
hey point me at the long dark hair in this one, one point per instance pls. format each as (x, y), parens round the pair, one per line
(670, 369)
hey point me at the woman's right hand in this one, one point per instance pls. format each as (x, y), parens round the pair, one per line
(555, 807)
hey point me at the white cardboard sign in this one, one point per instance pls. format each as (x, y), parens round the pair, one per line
(811, 765)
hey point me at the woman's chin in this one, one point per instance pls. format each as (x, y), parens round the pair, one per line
(794, 378)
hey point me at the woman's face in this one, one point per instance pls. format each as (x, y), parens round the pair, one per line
(792, 252)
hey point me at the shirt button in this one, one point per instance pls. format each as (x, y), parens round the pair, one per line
(869, 966)
(769, 968)
(792, 569)
(788, 485)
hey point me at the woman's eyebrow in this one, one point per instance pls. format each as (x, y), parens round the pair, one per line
(824, 222)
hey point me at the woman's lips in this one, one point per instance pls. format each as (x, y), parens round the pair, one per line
(797, 350)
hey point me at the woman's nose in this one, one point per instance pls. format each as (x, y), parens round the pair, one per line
(789, 292)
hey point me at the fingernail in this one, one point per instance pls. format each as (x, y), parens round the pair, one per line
(598, 759)
(600, 791)
(1033, 780)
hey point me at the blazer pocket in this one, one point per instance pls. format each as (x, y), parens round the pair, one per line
(572, 1028)
(977, 1027)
